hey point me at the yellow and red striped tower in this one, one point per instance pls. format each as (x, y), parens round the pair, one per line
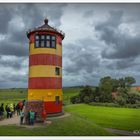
(45, 67)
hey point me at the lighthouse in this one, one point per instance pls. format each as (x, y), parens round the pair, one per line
(45, 67)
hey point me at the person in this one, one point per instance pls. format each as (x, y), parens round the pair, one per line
(14, 109)
(44, 115)
(18, 109)
(11, 110)
(24, 103)
(1, 111)
(20, 104)
(7, 108)
(35, 116)
(32, 117)
(21, 117)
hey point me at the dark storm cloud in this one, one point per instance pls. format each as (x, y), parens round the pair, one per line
(122, 64)
(127, 48)
(121, 46)
(5, 16)
(13, 48)
(81, 58)
(12, 63)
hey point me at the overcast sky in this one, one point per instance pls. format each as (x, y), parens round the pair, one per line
(101, 40)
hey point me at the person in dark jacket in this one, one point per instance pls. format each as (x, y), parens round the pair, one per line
(7, 108)
(18, 109)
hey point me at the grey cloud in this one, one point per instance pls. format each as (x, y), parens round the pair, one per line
(13, 48)
(121, 46)
(12, 63)
(122, 64)
(82, 57)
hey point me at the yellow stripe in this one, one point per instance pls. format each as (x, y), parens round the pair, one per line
(57, 51)
(43, 71)
(44, 94)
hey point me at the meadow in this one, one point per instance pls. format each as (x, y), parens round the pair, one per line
(84, 120)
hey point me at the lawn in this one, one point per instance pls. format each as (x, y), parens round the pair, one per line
(109, 117)
(12, 95)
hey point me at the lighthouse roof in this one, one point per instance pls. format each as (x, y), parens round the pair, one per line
(45, 27)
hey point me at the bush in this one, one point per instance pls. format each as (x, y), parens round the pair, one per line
(86, 99)
(75, 99)
(120, 100)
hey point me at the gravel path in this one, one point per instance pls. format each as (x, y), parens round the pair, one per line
(10, 121)
(122, 132)
(16, 120)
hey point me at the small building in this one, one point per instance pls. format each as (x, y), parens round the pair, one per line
(45, 67)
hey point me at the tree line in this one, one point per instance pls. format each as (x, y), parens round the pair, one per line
(109, 90)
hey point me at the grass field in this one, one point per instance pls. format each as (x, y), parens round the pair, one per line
(109, 117)
(12, 95)
(85, 120)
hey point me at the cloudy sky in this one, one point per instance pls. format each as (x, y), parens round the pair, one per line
(101, 40)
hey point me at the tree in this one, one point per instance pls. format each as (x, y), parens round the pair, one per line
(86, 91)
(129, 81)
(106, 88)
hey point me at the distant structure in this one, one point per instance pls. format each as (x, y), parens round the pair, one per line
(45, 67)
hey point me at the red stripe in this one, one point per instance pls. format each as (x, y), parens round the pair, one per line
(52, 107)
(45, 83)
(45, 59)
(59, 40)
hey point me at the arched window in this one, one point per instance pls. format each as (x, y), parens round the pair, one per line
(45, 41)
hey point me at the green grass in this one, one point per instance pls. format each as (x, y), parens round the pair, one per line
(69, 126)
(109, 117)
(12, 95)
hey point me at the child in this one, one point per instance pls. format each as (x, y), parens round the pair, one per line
(32, 117)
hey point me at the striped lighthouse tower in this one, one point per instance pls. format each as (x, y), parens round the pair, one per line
(45, 67)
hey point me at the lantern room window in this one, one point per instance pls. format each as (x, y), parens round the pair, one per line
(45, 41)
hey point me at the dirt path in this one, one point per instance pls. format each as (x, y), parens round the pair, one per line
(10, 121)
(16, 120)
(122, 132)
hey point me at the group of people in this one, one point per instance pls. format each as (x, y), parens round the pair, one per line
(30, 118)
(11, 109)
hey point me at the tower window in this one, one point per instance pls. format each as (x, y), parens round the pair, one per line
(45, 41)
(57, 100)
(57, 71)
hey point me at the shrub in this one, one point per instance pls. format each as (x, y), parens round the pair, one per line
(75, 99)
(120, 100)
(86, 99)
